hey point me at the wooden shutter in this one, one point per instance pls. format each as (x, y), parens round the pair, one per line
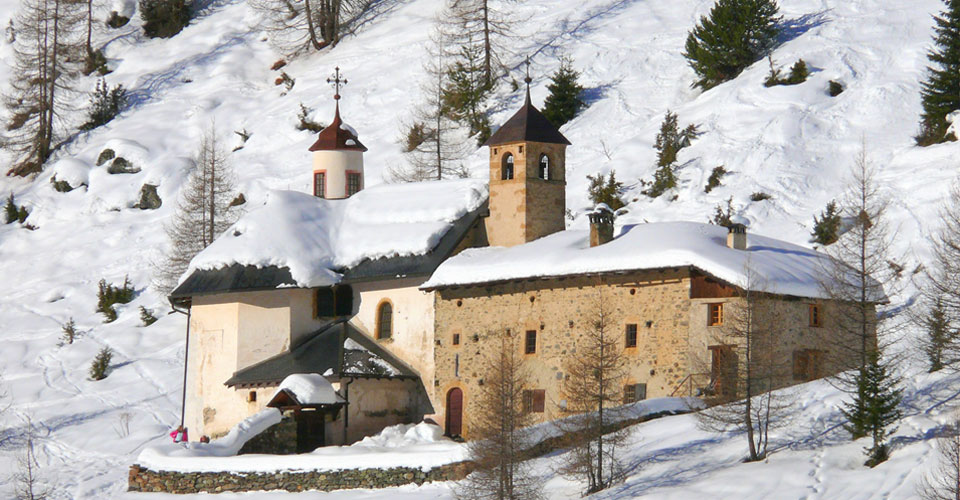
(527, 401)
(539, 398)
(640, 391)
(325, 303)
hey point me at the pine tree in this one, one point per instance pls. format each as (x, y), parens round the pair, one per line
(10, 210)
(732, 37)
(101, 363)
(105, 104)
(564, 101)
(164, 18)
(826, 228)
(607, 190)
(670, 140)
(45, 69)
(939, 343)
(466, 91)
(203, 211)
(940, 94)
(874, 408)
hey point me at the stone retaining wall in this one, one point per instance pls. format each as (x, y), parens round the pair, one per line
(146, 480)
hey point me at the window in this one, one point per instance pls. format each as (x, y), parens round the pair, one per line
(384, 320)
(252, 397)
(714, 314)
(530, 345)
(631, 336)
(533, 400)
(815, 319)
(456, 339)
(334, 301)
(506, 167)
(320, 184)
(353, 184)
(634, 392)
(807, 364)
(544, 170)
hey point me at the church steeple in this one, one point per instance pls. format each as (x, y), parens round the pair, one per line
(527, 177)
(337, 154)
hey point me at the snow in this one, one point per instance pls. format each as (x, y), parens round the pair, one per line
(317, 238)
(777, 266)
(792, 142)
(169, 456)
(421, 445)
(348, 128)
(309, 389)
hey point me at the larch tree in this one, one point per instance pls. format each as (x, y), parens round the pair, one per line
(756, 367)
(859, 276)
(434, 145)
(295, 27)
(940, 93)
(203, 212)
(943, 482)
(501, 441)
(46, 55)
(941, 290)
(594, 384)
(736, 34)
(479, 24)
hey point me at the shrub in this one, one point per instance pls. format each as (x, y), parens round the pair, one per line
(564, 101)
(760, 196)
(11, 213)
(826, 229)
(101, 363)
(164, 18)
(722, 216)
(798, 73)
(836, 88)
(305, 122)
(714, 179)
(774, 77)
(95, 61)
(105, 104)
(70, 332)
(108, 295)
(116, 20)
(147, 317)
(606, 190)
(670, 140)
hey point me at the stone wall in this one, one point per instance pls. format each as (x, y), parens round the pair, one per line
(560, 311)
(145, 480)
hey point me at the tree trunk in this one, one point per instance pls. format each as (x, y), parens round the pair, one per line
(310, 28)
(487, 71)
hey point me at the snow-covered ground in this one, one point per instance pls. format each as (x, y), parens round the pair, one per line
(794, 143)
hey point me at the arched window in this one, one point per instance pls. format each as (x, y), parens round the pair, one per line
(506, 167)
(544, 171)
(384, 320)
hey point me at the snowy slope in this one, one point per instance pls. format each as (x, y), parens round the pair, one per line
(794, 143)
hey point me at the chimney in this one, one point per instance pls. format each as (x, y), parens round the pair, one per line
(601, 225)
(737, 236)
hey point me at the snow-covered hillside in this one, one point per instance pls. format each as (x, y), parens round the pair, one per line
(794, 143)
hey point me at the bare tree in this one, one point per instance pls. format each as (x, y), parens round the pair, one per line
(295, 26)
(203, 212)
(477, 22)
(944, 481)
(752, 407)
(46, 53)
(498, 450)
(595, 374)
(28, 481)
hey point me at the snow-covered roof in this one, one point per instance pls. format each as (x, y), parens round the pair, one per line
(778, 267)
(317, 239)
(309, 389)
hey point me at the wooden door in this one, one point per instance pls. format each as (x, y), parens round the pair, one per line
(454, 412)
(310, 430)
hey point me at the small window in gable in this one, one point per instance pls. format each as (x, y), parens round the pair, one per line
(456, 339)
(252, 397)
(385, 321)
(544, 170)
(506, 167)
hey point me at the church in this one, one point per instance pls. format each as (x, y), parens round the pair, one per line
(394, 296)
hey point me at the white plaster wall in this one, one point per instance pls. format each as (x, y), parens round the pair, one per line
(374, 404)
(413, 319)
(212, 360)
(336, 164)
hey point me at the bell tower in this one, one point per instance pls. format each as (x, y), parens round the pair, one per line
(337, 154)
(527, 178)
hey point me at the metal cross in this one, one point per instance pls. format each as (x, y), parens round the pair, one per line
(337, 82)
(528, 79)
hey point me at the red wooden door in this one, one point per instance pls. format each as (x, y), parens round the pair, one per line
(454, 412)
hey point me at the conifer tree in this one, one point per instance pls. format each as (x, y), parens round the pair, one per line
(105, 104)
(732, 37)
(607, 190)
(101, 363)
(466, 91)
(939, 344)
(874, 408)
(670, 140)
(826, 228)
(164, 18)
(940, 93)
(564, 101)
(203, 211)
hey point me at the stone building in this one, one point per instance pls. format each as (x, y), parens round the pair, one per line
(394, 293)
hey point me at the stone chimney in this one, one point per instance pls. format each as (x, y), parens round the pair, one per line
(737, 236)
(601, 225)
